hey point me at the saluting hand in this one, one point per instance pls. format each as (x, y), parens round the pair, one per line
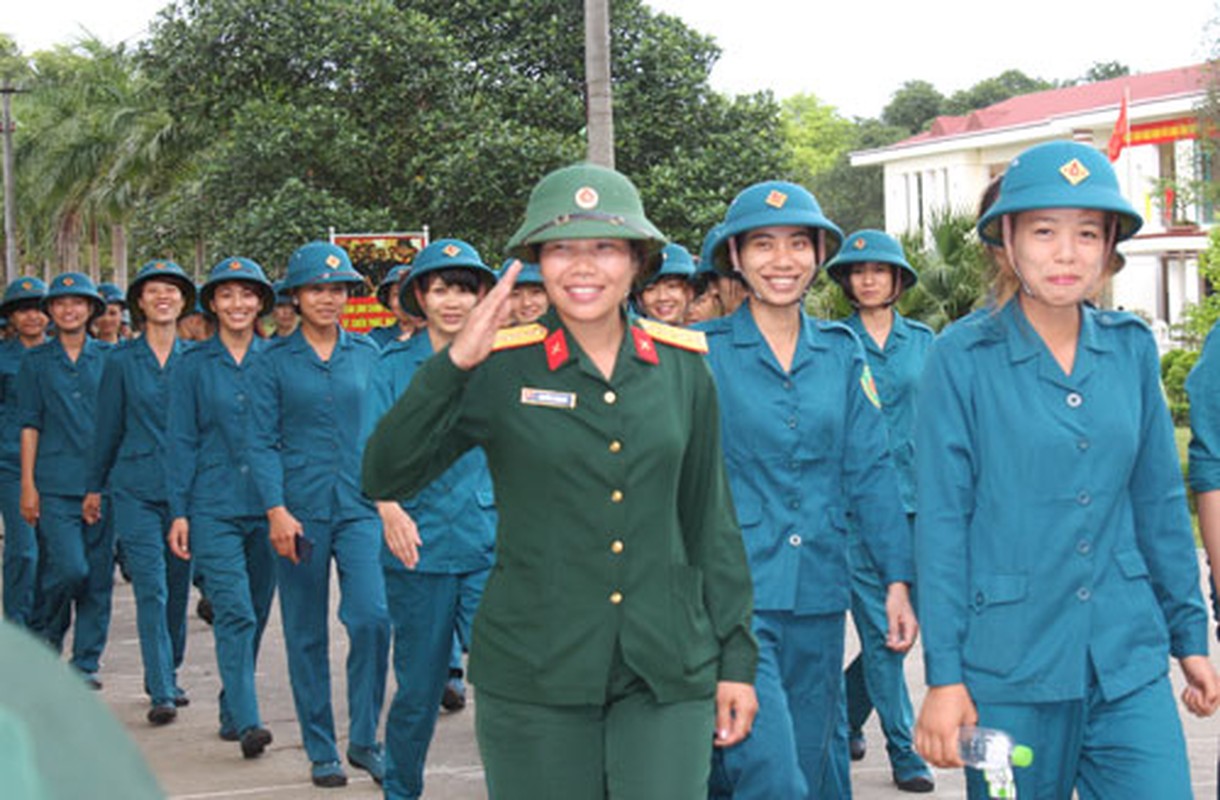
(736, 706)
(904, 628)
(472, 345)
(401, 533)
(179, 538)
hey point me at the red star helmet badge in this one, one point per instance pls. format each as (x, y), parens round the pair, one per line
(332, 260)
(234, 265)
(68, 282)
(159, 265)
(451, 250)
(776, 199)
(860, 244)
(26, 285)
(586, 198)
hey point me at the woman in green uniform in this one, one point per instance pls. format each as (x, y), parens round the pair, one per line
(613, 642)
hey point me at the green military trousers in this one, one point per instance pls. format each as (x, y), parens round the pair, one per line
(629, 748)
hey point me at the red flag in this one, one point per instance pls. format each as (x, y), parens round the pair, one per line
(1122, 132)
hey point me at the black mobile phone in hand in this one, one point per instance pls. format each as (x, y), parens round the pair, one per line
(304, 548)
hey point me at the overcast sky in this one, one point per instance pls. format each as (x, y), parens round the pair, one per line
(852, 54)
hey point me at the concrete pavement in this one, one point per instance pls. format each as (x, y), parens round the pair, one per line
(192, 763)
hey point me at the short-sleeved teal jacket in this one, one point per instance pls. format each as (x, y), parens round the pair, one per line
(616, 529)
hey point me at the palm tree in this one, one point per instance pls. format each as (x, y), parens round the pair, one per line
(953, 268)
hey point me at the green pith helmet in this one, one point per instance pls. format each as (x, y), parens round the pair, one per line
(1059, 175)
(675, 262)
(166, 271)
(241, 269)
(530, 274)
(441, 255)
(391, 282)
(585, 201)
(865, 246)
(23, 292)
(770, 204)
(317, 263)
(74, 284)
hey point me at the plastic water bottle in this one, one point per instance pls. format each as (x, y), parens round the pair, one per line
(994, 754)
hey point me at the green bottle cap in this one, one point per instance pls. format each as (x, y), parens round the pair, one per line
(1022, 756)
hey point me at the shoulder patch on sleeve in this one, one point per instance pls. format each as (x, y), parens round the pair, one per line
(682, 338)
(518, 336)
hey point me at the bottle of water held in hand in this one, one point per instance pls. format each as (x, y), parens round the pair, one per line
(994, 754)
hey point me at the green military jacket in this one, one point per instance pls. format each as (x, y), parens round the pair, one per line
(616, 527)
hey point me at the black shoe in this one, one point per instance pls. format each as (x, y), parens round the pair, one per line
(203, 609)
(328, 775)
(254, 741)
(454, 697)
(93, 683)
(162, 715)
(229, 735)
(920, 784)
(858, 747)
(181, 700)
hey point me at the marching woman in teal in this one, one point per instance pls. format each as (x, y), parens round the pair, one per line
(612, 642)
(218, 519)
(128, 460)
(22, 307)
(57, 392)
(873, 272)
(405, 323)
(1057, 571)
(305, 457)
(804, 447)
(433, 590)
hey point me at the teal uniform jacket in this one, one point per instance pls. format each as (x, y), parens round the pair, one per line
(305, 451)
(1052, 533)
(130, 445)
(456, 513)
(803, 449)
(1203, 387)
(896, 370)
(59, 399)
(616, 530)
(209, 464)
(11, 353)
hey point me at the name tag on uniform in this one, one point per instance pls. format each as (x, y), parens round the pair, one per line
(548, 398)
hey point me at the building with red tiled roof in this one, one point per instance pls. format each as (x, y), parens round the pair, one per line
(948, 166)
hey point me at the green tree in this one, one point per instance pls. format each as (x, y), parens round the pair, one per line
(854, 197)
(816, 134)
(990, 91)
(913, 106)
(1106, 70)
(1199, 318)
(953, 268)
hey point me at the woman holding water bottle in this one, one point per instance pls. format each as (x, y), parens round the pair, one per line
(1053, 546)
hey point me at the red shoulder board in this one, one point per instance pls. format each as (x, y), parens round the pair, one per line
(682, 338)
(518, 336)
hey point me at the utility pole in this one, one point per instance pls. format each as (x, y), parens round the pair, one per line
(10, 211)
(599, 111)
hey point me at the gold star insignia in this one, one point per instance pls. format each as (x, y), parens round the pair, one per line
(332, 260)
(776, 199)
(451, 250)
(1074, 172)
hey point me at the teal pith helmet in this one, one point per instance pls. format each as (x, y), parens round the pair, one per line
(391, 282)
(166, 271)
(585, 201)
(770, 204)
(236, 268)
(1059, 175)
(675, 262)
(320, 262)
(282, 298)
(74, 284)
(111, 293)
(865, 246)
(25, 291)
(441, 255)
(530, 274)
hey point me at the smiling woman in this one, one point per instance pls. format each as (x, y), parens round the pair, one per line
(612, 642)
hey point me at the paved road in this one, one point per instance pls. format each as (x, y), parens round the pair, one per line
(192, 763)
